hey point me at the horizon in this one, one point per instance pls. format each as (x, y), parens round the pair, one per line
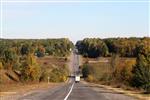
(67, 38)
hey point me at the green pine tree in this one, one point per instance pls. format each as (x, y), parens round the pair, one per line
(141, 72)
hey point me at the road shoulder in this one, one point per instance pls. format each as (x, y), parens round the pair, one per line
(22, 89)
(133, 94)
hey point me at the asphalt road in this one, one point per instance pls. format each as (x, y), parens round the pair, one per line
(73, 91)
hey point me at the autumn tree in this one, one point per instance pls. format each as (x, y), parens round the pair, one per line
(31, 71)
(92, 47)
(40, 51)
(9, 58)
(25, 49)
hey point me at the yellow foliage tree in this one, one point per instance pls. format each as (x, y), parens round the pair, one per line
(31, 70)
(1, 65)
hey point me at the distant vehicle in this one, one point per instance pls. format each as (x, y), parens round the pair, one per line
(76, 51)
(77, 78)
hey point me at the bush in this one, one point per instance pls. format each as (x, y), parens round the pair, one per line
(58, 75)
(40, 52)
(123, 71)
(90, 78)
(9, 58)
(85, 70)
(126, 71)
(45, 75)
(31, 71)
(141, 72)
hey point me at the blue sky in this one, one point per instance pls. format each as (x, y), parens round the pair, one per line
(75, 20)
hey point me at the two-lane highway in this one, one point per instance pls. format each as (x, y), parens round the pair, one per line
(61, 92)
(72, 90)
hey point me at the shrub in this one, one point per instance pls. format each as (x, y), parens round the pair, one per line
(58, 75)
(126, 71)
(45, 75)
(85, 70)
(9, 58)
(40, 52)
(90, 78)
(123, 71)
(31, 71)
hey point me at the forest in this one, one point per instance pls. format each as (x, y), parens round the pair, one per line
(20, 56)
(128, 61)
(125, 47)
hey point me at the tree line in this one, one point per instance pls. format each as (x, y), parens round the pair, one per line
(41, 47)
(124, 47)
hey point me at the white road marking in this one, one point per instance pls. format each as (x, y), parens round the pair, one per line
(69, 92)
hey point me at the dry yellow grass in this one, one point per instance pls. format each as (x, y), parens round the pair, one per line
(49, 61)
(6, 89)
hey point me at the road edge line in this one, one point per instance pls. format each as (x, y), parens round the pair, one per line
(69, 92)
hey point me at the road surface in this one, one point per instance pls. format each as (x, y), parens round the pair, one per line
(72, 90)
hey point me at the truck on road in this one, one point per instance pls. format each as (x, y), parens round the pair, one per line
(77, 78)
